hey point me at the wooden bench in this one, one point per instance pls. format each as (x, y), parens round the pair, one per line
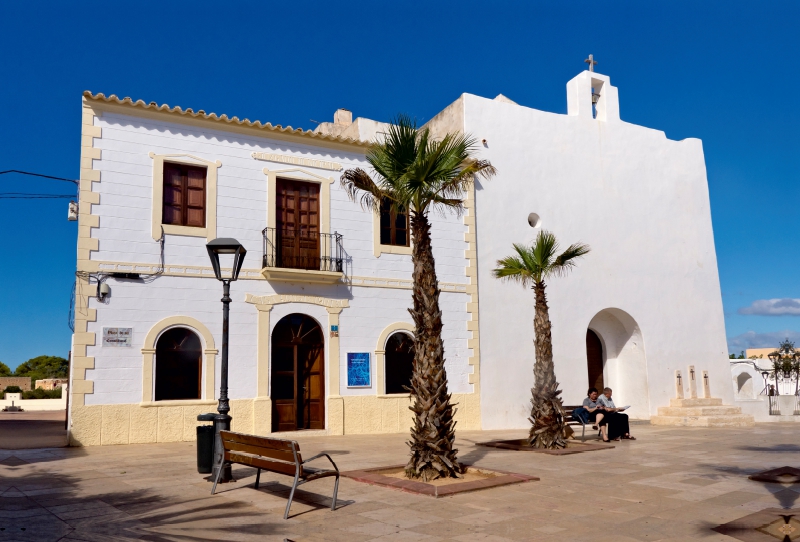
(274, 455)
(572, 421)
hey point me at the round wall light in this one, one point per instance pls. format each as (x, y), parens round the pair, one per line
(534, 220)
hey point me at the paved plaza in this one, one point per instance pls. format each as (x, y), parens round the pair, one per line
(673, 484)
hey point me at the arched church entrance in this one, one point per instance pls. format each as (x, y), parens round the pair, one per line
(399, 359)
(614, 336)
(179, 373)
(298, 379)
(594, 360)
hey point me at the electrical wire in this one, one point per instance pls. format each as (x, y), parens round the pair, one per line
(100, 278)
(73, 181)
(23, 195)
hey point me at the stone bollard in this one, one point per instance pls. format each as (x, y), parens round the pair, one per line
(706, 385)
(692, 382)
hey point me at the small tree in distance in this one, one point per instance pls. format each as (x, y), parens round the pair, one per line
(42, 367)
(531, 266)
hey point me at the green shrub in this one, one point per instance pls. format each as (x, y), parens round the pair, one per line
(39, 393)
(12, 389)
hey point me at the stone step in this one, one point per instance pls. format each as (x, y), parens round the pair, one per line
(699, 411)
(705, 401)
(741, 420)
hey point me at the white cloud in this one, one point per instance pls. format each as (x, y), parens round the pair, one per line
(773, 307)
(751, 339)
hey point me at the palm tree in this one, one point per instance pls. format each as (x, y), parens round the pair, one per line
(416, 173)
(532, 265)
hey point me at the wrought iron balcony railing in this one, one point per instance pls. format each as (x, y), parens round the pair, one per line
(302, 249)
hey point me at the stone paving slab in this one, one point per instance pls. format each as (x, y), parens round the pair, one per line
(673, 484)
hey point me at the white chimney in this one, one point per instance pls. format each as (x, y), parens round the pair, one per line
(343, 117)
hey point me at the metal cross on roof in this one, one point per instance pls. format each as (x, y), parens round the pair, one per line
(591, 62)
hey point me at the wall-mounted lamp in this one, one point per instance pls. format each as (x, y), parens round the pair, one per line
(103, 290)
(72, 214)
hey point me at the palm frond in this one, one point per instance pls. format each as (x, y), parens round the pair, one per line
(566, 260)
(539, 261)
(544, 250)
(517, 268)
(362, 189)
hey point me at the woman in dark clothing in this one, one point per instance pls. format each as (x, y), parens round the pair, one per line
(592, 410)
(615, 424)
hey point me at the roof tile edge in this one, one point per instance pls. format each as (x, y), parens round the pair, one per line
(127, 101)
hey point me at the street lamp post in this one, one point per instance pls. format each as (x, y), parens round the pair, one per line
(222, 421)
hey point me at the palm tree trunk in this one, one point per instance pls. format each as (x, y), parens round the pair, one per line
(433, 434)
(548, 426)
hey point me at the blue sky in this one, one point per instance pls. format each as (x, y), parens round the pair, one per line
(725, 73)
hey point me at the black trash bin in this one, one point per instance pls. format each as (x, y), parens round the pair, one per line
(205, 444)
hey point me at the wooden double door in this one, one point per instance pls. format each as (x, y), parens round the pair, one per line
(298, 374)
(297, 225)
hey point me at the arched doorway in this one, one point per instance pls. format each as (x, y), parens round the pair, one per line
(178, 365)
(298, 379)
(623, 363)
(594, 360)
(399, 360)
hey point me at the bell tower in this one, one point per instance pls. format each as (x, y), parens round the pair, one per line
(590, 95)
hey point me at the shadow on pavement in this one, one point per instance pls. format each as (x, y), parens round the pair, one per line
(35, 429)
(46, 506)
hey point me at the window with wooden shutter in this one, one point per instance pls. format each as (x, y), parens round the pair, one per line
(394, 225)
(184, 195)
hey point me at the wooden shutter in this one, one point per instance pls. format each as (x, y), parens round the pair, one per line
(196, 197)
(173, 195)
(184, 195)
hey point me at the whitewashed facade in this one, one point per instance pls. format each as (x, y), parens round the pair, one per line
(113, 398)
(649, 289)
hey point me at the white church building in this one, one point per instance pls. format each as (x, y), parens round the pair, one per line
(319, 338)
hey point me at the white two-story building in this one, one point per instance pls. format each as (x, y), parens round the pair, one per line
(319, 333)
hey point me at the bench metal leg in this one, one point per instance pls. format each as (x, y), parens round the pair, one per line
(335, 492)
(216, 479)
(258, 477)
(291, 496)
(583, 433)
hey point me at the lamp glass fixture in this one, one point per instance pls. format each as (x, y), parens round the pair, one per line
(226, 245)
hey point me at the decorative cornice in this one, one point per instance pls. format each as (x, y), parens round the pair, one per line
(253, 274)
(296, 161)
(277, 299)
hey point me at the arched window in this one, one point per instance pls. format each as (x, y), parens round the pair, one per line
(178, 365)
(399, 362)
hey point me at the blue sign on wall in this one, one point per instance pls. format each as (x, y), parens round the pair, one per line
(358, 370)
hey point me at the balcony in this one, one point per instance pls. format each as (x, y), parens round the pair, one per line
(302, 255)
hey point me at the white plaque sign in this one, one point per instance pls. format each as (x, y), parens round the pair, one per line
(117, 336)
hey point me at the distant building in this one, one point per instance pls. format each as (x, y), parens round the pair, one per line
(758, 353)
(23, 382)
(50, 383)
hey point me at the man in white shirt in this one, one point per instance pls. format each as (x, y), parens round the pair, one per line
(616, 424)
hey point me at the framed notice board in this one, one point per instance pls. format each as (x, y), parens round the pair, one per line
(358, 370)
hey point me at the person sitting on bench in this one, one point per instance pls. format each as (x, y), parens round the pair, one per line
(591, 411)
(613, 417)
